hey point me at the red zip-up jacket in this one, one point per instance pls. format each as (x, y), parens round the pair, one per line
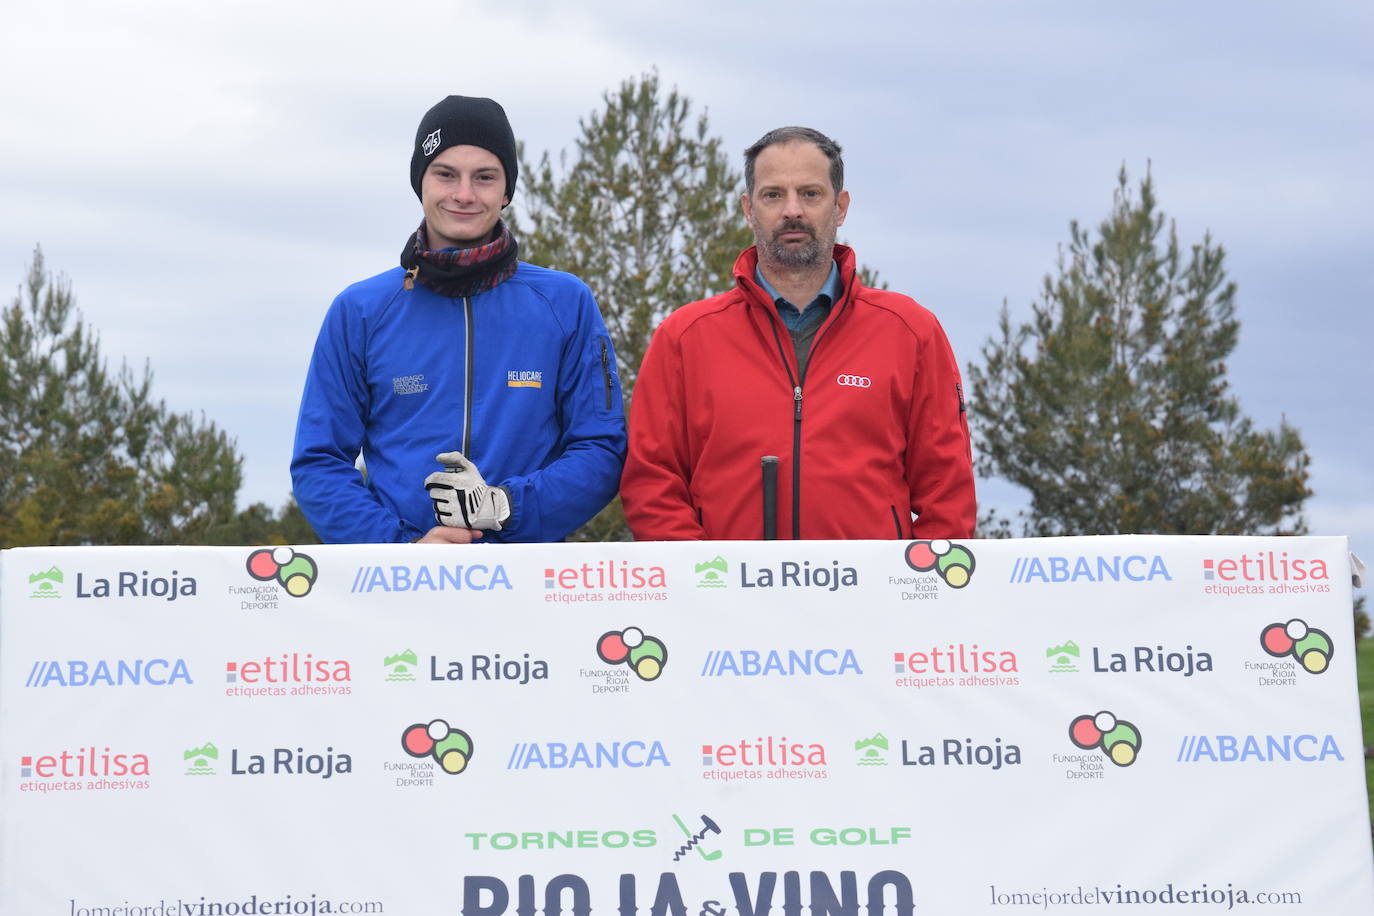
(874, 433)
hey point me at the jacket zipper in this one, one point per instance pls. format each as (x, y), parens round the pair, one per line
(797, 384)
(796, 434)
(606, 370)
(467, 377)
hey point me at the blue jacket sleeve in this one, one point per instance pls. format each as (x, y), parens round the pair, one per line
(334, 496)
(553, 502)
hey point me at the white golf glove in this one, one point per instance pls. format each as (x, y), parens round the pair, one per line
(462, 498)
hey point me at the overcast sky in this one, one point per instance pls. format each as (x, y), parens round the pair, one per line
(209, 176)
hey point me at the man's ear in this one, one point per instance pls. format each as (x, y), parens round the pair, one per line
(747, 206)
(842, 207)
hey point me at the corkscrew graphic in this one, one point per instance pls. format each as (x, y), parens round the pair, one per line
(694, 839)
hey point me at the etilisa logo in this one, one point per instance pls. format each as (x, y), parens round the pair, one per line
(294, 572)
(102, 672)
(956, 665)
(645, 655)
(201, 760)
(1265, 572)
(952, 562)
(780, 663)
(46, 584)
(587, 755)
(1117, 739)
(872, 751)
(1088, 568)
(83, 769)
(605, 580)
(472, 577)
(288, 674)
(1065, 657)
(764, 758)
(451, 748)
(712, 573)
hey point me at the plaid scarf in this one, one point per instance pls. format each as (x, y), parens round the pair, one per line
(459, 272)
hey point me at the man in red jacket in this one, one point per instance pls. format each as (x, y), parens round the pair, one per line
(854, 390)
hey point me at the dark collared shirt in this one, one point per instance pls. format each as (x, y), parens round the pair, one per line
(802, 324)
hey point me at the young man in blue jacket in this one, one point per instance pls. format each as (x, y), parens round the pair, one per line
(480, 391)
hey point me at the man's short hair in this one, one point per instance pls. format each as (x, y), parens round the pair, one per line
(788, 135)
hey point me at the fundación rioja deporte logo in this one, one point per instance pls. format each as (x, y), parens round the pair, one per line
(294, 572)
(450, 747)
(1117, 738)
(951, 562)
(1295, 639)
(646, 656)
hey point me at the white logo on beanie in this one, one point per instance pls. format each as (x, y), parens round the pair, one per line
(431, 143)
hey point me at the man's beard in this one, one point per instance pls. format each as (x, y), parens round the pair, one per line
(792, 256)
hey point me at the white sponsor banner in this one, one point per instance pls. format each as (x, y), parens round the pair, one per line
(687, 729)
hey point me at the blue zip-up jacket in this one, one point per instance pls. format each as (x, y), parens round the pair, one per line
(520, 378)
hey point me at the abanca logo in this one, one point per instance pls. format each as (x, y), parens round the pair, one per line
(779, 662)
(158, 672)
(1257, 748)
(475, 577)
(1084, 568)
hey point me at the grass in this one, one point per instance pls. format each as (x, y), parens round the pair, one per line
(1364, 672)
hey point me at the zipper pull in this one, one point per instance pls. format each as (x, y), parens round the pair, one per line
(410, 277)
(796, 396)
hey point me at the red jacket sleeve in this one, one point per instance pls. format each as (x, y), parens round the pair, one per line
(655, 488)
(939, 462)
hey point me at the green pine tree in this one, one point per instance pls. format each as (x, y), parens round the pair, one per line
(646, 211)
(1110, 406)
(87, 456)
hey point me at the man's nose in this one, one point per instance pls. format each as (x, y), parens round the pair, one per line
(463, 189)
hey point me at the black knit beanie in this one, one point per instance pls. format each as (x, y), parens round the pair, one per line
(463, 120)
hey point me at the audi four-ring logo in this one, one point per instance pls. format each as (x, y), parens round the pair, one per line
(855, 381)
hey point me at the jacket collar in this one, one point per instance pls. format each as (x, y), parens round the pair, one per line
(748, 262)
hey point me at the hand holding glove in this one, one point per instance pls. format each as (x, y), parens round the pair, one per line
(462, 498)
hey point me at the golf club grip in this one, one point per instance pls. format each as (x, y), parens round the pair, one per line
(770, 497)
